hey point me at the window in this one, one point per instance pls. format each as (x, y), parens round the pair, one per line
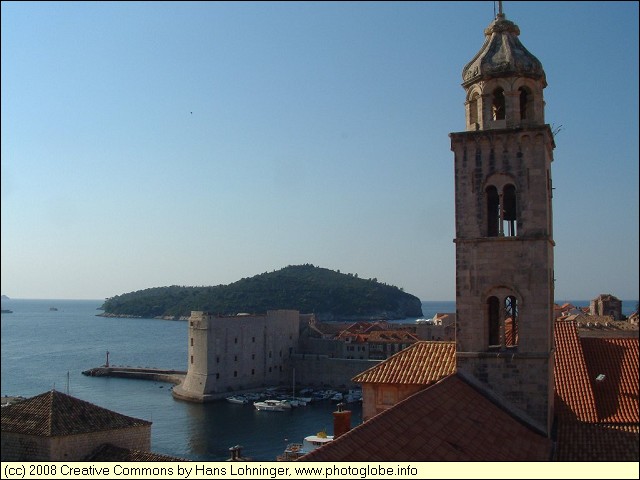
(493, 211)
(235, 373)
(191, 359)
(192, 341)
(509, 211)
(502, 211)
(511, 321)
(473, 109)
(526, 103)
(497, 106)
(502, 318)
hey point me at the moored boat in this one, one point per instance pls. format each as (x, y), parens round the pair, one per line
(238, 399)
(272, 405)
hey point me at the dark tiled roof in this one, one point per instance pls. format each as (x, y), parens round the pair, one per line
(422, 363)
(449, 421)
(579, 361)
(617, 394)
(54, 414)
(588, 442)
(110, 453)
(597, 420)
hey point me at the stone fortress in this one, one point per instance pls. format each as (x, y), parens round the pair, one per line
(251, 352)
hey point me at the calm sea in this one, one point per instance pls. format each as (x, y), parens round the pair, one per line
(43, 349)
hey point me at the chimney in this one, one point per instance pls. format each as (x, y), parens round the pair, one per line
(341, 421)
(236, 453)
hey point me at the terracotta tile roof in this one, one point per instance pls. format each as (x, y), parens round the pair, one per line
(422, 363)
(448, 421)
(597, 420)
(588, 442)
(617, 394)
(391, 336)
(579, 361)
(366, 327)
(54, 414)
(574, 397)
(110, 453)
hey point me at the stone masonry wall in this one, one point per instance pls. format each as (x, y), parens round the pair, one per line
(20, 447)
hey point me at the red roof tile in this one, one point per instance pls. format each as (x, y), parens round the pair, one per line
(574, 397)
(449, 421)
(391, 336)
(54, 414)
(422, 363)
(616, 395)
(588, 442)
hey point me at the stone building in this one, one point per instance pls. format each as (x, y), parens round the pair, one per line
(405, 373)
(55, 427)
(241, 352)
(606, 305)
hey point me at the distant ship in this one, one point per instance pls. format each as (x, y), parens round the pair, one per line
(7, 311)
(53, 309)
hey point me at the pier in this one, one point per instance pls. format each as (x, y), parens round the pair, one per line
(159, 375)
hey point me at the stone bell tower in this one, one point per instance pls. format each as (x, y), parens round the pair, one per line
(504, 229)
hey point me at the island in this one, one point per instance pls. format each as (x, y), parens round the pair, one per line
(330, 295)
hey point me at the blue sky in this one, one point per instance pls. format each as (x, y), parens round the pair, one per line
(150, 144)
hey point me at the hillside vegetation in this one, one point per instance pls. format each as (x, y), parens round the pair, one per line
(329, 294)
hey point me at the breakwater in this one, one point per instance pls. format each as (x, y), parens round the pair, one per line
(160, 375)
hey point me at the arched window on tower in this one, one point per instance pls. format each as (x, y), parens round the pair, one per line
(493, 313)
(509, 214)
(511, 321)
(473, 109)
(502, 213)
(493, 211)
(526, 103)
(502, 321)
(497, 106)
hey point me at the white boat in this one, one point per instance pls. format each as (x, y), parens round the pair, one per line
(354, 395)
(427, 321)
(237, 399)
(272, 405)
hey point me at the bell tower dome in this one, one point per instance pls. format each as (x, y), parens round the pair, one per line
(504, 228)
(504, 81)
